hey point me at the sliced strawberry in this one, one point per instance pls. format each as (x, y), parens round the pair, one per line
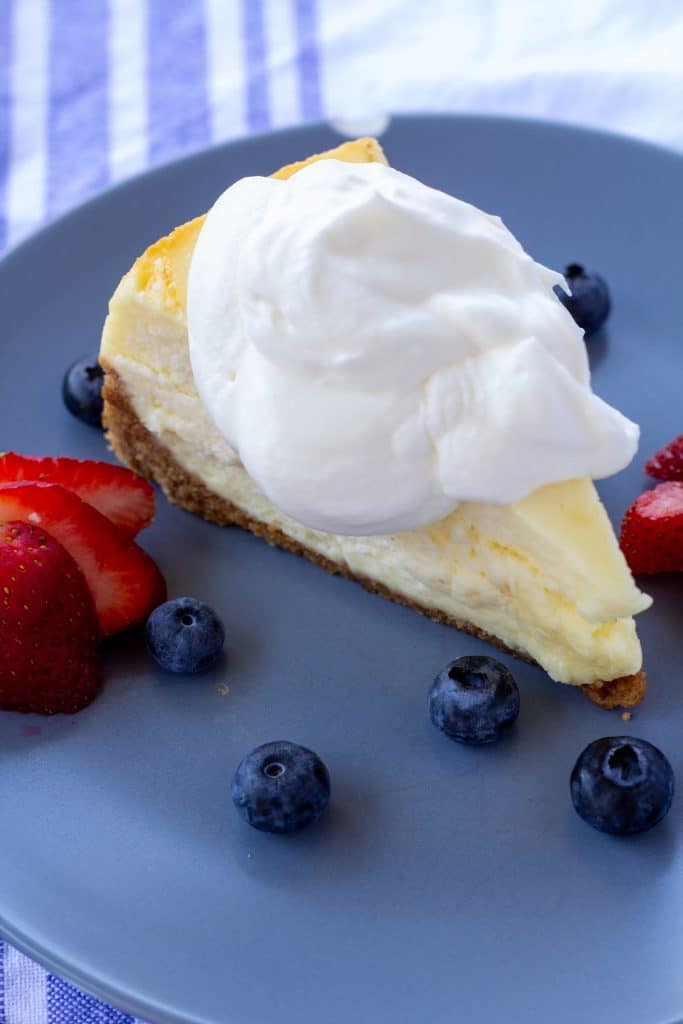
(120, 494)
(125, 582)
(48, 626)
(667, 463)
(652, 530)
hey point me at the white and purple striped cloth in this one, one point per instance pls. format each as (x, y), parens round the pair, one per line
(92, 91)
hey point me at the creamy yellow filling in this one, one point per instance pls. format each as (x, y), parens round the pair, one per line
(520, 572)
(545, 575)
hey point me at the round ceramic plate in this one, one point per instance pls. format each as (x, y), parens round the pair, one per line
(446, 882)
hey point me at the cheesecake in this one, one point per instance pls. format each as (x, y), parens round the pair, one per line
(541, 577)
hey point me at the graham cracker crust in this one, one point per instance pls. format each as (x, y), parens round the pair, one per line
(138, 448)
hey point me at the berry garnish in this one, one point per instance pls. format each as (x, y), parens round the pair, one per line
(120, 494)
(588, 300)
(281, 787)
(125, 582)
(82, 391)
(652, 530)
(184, 635)
(622, 785)
(667, 463)
(474, 699)
(48, 626)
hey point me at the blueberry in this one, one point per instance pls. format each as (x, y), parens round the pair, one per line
(281, 787)
(184, 635)
(473, 699)
(622, 785)
(589, 301)
(82, 391)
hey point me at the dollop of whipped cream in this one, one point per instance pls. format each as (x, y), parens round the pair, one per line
(378, 351)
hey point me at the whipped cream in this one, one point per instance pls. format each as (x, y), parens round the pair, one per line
(377, 351)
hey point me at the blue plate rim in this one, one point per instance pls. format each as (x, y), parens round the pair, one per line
(490, 119)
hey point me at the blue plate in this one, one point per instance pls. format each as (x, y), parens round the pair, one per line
(446, 883)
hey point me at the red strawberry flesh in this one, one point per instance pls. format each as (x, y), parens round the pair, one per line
(124, 580)
(121, 495)
(667, 463)
(48, 626)
(652, 530)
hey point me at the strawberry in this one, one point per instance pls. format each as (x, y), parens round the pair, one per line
(125, 582)
(121, 495)
(667, 463)
(652, 530)
(48, 626)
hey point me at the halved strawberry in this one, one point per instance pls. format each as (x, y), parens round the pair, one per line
(667, 463)
(652, 530)
(120, 494)
(124, 580)
(49, 661)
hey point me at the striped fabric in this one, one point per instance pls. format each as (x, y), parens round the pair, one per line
(29, 995)
(92, 91)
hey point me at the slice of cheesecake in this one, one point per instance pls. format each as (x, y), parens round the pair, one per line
(543, 578)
